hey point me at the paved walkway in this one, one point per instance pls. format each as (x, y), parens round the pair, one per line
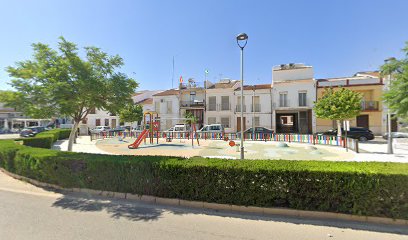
(29, 212)
(83, 144)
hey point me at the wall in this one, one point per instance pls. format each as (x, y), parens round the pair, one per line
(292, 74)
(102, 115)
(218, 114)
(168, 119)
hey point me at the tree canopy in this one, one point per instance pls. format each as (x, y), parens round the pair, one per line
(58, 82)
(338, 105)
(131, 113)
(397, 95)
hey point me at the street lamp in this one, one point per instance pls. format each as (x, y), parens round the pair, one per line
(389, 140)
(242, 40)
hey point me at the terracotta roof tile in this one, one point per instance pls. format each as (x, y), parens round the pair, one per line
(168, 92)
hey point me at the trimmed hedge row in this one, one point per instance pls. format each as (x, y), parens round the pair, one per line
(369, 188)
(47, 138)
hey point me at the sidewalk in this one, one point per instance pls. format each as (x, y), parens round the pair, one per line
(83, 144)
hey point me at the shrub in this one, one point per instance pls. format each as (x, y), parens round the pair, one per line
(44, 141)
(369, 188)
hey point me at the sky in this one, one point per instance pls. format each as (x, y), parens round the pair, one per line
(337, 37)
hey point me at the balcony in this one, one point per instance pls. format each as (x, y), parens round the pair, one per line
(238, 108)
(256, 107)
(369, 105)
(192, 104)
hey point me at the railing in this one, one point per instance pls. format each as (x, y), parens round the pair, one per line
(212, 107)
(314, 139)
(238, 108)
(225, 107)
(256, 107)
(369, 105)
(192, 103)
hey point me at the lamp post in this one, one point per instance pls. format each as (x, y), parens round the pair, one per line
(242, 40)
(389, 140)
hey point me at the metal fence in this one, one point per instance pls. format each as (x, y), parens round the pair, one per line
(314, 139)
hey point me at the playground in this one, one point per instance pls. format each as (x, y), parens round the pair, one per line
(190, 144)
(222, 149)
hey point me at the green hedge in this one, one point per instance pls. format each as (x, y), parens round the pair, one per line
(47, 138)
(369, 188)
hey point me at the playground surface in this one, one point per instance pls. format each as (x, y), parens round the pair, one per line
(221, 149)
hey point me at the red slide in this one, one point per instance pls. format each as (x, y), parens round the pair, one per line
(139, 140)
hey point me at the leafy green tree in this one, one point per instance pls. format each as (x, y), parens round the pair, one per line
(397, 95)
(58, 82)
(190, 118)
(338, 105)
(131, 113)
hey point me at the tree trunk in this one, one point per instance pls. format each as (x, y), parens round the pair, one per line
(72, 135)
(338, 128)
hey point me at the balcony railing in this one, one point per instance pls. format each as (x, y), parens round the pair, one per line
(225, 107)
(212, 107)
(256, 107)
(369, 105)
(195, 103)
(238, 108)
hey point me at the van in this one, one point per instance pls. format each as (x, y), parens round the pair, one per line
(181, 128)
(212, 128)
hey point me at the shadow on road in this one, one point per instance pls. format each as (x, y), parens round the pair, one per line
(116, 208)
(140, 211)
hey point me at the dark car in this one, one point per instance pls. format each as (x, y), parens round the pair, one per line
(362, 134)
(31, 131)
(120, 129)
(259, 130)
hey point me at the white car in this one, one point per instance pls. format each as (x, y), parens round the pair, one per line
(99, 129)
(212, 128)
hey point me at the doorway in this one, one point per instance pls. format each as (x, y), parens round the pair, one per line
(287, 123)
(239, 124)
(362, 121)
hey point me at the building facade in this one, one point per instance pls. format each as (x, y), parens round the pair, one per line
(167, 105)
(257, 106)
(220, 104)
(371, 88)
(192, 101)
(293, 96)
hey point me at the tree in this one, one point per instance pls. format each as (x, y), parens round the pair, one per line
(60, 83)
(338, 105)
(131, 113)
(397, 95)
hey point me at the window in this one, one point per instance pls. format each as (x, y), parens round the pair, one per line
(212, 120)
(257, 121)
(106, 122)
(256, 106)
(97, 122)
(225, 105)
(283, 99)
(212, 104)
(169, 106)
(84, 121)
(238, 108)
(302, 99)
(225, 122)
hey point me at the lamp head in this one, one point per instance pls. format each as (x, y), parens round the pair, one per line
(241, 38)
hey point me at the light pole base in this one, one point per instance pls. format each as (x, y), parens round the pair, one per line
(242, 153)
(390, 149)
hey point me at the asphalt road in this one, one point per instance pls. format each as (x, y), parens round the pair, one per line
(28, 212)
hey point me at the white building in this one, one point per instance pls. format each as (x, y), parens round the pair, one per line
(167, 105)
(294, 91)
(220, 104)
(257, 106)
(145, 99)
(98, 118)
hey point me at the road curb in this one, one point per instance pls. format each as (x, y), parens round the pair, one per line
(218, 206)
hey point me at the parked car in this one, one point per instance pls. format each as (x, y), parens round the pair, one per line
(396, 135)
(362, 134)
(259, 130)
(212, 128)
(31, 131)
(99, 129)
(119, 129)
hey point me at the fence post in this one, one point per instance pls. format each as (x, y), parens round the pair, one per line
(356, 147)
